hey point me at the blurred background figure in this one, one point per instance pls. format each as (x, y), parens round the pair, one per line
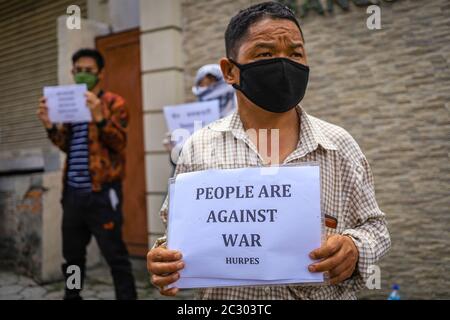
(92, 180)
(210, 85)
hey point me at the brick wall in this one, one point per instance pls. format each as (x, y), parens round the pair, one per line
(390, 89)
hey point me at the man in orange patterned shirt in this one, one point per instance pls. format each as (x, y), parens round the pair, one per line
(95, 166)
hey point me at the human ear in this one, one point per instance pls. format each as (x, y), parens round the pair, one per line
(230, 71)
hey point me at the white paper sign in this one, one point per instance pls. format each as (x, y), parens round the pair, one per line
(185, 116)
(240, 227)
(67, 104)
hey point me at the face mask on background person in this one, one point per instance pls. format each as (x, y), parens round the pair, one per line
(87, 78)
(221, 91)
(276, 85)
(200, 91)
(217, 90)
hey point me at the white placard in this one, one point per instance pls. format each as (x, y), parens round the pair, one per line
(67, 104)
(240, 227)
(191, 116)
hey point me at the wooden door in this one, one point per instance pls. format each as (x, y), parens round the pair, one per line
(123, 76)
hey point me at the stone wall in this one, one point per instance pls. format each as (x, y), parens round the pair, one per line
(21, 220)
(204, 23)
(390, 89)
(31, 217)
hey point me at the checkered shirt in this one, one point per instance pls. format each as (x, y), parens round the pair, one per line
(347, 194)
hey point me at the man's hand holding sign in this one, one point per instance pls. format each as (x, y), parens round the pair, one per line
(338, 257)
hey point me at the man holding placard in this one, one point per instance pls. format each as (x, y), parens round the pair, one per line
(90, 126)
(246, 213)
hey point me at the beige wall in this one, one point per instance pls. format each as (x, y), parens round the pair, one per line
(119, 15)
(390, 89)
(162, 81)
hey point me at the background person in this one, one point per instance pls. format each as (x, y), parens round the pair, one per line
(92, 181)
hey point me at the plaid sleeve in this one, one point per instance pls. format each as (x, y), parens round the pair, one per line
(370, 233)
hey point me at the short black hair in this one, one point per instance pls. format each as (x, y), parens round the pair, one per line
(238, 27)
(91, 53)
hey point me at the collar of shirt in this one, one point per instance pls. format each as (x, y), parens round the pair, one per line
(311, 136)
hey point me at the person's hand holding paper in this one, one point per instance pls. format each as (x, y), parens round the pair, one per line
(95, 106)
(165, 265)
(42, 113)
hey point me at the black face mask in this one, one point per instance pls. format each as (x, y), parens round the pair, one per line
(276, 85)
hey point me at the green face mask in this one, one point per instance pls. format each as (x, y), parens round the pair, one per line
(89, 79)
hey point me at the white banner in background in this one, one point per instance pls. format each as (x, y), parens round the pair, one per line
(184, 116)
